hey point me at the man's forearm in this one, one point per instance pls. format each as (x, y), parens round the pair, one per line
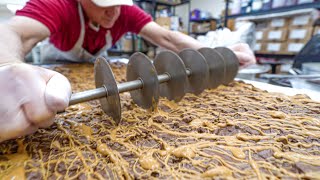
(182, 41)
(10, 45)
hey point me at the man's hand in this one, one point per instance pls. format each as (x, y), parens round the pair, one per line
(30, 98)
(244, 53)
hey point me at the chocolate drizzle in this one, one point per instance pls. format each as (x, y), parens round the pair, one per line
(235, 131)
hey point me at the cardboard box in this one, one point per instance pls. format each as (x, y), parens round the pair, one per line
(164, 22)
(303, 34)
(172, 2)
(230, 24)
(302, 20)
(260, 35)
(294, 47)
(276, 47)
(174, 20)
(279, 23)
(316, 30)
(262, 25)
(213, 25)
(201, 27)
(277, 35)
(126, 45)
(260, 47)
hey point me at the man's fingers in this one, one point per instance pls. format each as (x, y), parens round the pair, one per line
(18, 126)
(58, 90)
(245, 59)
(34, 105)
(50, 92)
(31, 96)
(244, 53)
(57, 93)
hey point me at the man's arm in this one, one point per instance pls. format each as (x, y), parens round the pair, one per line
(177, 41)
(173, 40)
(19, 36)
(31, 95)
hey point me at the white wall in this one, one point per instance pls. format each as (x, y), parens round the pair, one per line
(5, 14)
(215, 7)
(19, 2)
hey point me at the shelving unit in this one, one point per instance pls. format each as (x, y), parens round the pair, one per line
(286, 11)
(202, 21)
(158, 3)
(120, 53)
(172, 6)
(155, 5)
(275, 55)
(315, 5)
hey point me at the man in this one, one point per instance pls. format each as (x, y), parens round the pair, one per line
(79, 30)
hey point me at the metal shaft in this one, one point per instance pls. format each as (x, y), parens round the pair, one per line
(101, 92)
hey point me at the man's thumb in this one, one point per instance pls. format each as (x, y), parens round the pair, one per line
(57, 93)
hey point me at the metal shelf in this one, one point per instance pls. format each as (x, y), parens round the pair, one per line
(203, 20)
(199, 33)
(165, 3)
(275, 55)
(116, 51)
(279, 10)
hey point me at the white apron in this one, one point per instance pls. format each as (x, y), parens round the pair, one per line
(49, 53)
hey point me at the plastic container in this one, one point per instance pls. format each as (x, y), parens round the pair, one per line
(278, 3)
(253, 71)
(195, 14)
(267, 4)
(291, 2)
(257, 5)
(235, 7)
(246, 6)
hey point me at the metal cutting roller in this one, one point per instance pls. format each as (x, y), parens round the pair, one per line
(170, 75)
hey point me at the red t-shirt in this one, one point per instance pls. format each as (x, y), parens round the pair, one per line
(63, 20)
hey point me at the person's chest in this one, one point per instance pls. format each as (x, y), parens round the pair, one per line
(94, 39)
(70, 34)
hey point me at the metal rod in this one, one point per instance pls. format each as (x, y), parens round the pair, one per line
(188, 71)
(87, 95)
(163, 78)
(129, 86)
(101, 92)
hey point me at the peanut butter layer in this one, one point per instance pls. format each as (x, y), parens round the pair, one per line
(233, 132)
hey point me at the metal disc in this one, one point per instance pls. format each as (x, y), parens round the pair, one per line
(104, 77)
(232, 63)
(141, 67)
(196, 63)
(170, 63)
(216, 65)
